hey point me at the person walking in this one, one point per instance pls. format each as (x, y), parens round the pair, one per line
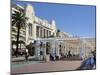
(26, 55)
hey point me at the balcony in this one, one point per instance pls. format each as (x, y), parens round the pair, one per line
(13, 39)
(22, 30)
(22, 39)
(22, 35)
(13, 33)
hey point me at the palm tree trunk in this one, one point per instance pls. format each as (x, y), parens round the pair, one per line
(17, 42)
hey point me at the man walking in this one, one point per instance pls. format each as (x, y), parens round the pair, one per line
(26, 55)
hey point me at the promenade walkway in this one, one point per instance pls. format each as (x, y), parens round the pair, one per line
(32, 67)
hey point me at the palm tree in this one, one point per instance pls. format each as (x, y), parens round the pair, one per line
(19, 20)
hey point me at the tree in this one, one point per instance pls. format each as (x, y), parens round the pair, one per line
(19, 20)
(30, 48)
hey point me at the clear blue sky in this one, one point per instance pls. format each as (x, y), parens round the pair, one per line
(75, 19)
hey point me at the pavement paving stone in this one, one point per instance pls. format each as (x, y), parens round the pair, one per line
(47, 67)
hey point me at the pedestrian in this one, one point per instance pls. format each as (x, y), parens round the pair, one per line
(69, 53)
(26, 55)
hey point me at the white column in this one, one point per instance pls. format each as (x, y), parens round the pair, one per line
(82, 50)
(56, 44)
(46, 33)
(52, 51)
(77, 51)
(44, 48)
(53, 46)
(34, 31)
(37, 50)
(27, 34)
(39, 32)
(57, 49)
(63, 51)
(42, 32)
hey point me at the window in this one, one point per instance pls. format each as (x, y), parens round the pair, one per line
(47, 33)
(41, 32)
(44, 33)
(30, 29)
(37, 31)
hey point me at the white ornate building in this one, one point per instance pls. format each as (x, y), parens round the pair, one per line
(36, 27)
(41, 30)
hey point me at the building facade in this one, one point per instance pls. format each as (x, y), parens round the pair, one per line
(39, 30)
(36, 27)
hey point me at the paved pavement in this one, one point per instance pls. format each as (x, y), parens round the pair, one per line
(31, 67)
(22, 58)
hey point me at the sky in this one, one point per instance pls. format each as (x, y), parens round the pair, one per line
(78, 20)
